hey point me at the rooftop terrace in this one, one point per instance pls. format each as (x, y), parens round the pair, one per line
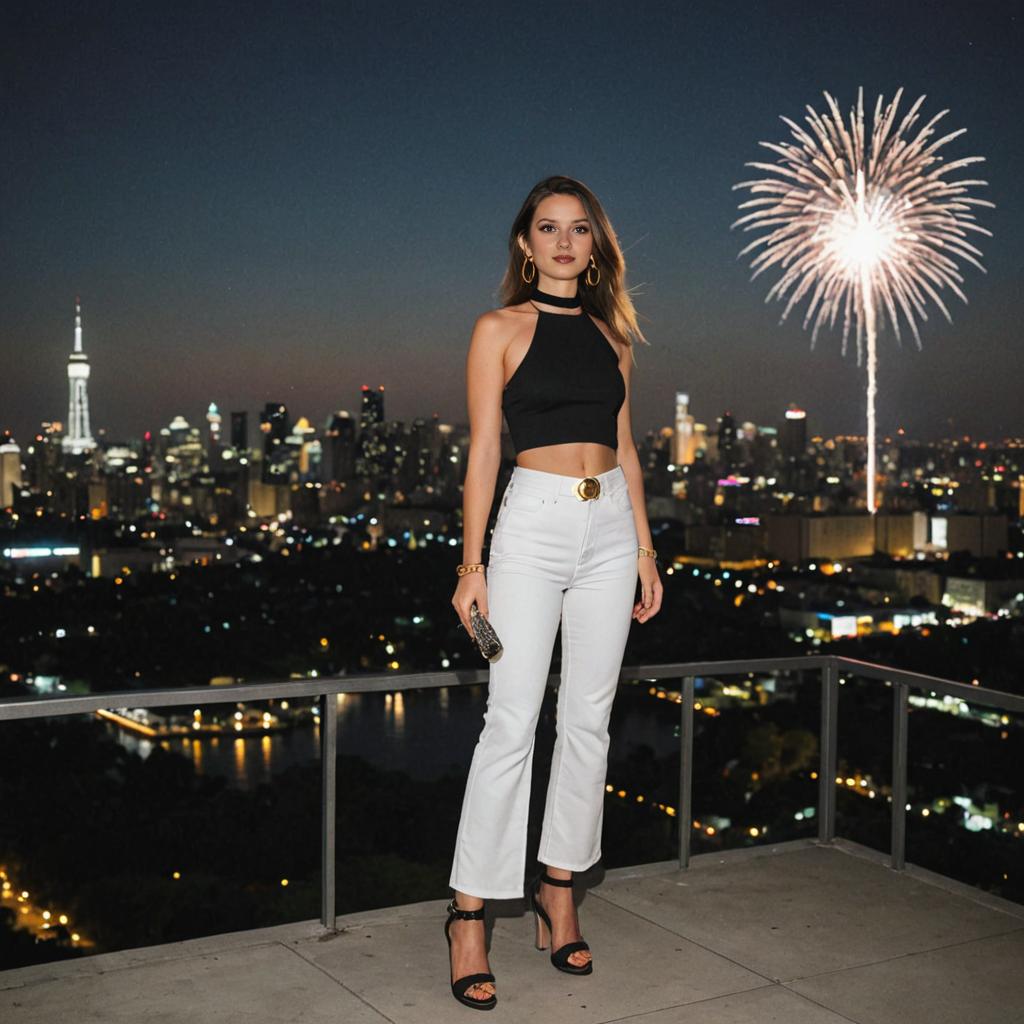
(809, 931)
(802, 932)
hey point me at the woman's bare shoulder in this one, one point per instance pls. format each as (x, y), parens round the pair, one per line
(506, 314)
(498, 322)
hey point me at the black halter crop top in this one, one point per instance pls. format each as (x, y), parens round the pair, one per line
(568, 386)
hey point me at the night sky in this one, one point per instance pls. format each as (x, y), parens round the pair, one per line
(281, 202)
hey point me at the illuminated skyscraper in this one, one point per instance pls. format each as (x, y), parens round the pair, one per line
(10, 470)
(726, 438)
(371, 412)
(340, 447)
(793, 443)
(213, 423)
(685, 441)
(275, 427)
(373, 445)
(794, 433)
(78, 437)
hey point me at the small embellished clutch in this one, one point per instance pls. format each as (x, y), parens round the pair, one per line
(483, 633)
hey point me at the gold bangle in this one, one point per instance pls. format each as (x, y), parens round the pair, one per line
(463, 568)
(649, 552)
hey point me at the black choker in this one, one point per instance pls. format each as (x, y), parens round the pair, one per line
(556, 300)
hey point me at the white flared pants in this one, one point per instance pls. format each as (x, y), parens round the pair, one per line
(553, 558)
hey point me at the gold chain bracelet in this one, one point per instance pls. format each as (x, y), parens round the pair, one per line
(466, 567)
(649, 552)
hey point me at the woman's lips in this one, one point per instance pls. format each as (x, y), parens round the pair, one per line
(565, 259)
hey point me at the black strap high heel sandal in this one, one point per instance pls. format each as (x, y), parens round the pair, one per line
(560, 956)
(461, 985)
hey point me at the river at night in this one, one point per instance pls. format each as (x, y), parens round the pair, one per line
(423, 733)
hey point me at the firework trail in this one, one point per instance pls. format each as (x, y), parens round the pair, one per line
(861, 224)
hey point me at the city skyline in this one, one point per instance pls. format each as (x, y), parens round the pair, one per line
(321, 422)
(286, 207)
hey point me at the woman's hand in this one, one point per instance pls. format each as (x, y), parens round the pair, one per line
(650, 592)
(472, 587)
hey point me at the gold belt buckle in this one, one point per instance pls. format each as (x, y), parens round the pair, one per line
(587, 488)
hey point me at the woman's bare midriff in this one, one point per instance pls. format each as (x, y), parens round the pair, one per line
(578, 458)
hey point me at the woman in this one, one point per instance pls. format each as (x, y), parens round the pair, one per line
(569, 541)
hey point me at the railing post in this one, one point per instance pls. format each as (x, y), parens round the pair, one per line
(898, 843)
(328, 807)
(685, 772)
(828, 742)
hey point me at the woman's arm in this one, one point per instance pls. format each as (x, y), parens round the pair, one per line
(628, 458)
(484, 383)
(651, 586)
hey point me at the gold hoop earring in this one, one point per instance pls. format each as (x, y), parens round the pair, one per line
(522, 270)
(593, 266)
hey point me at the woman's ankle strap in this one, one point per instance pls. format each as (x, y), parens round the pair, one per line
(466, 915)
(555, 881)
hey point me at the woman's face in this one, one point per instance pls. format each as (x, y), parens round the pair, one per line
(560, 228)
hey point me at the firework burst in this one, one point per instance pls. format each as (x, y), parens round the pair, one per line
(859, 222)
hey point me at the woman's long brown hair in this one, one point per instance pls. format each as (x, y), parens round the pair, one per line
(609, 298)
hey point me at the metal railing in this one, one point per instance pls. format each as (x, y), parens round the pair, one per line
(327, 690)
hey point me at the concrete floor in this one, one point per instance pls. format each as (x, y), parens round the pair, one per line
(796, 933)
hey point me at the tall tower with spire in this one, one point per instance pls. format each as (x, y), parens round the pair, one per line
(77, 437)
